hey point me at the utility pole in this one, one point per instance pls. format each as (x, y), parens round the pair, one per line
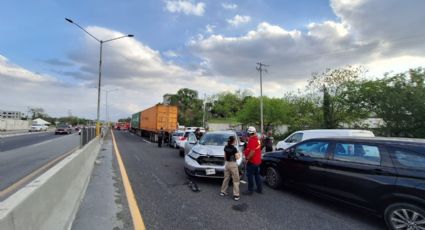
(261, 68)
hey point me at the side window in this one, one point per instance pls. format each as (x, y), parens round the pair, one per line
(192, 137)
(357, 153)
(408, 159)
(314, 149)
(295, 138)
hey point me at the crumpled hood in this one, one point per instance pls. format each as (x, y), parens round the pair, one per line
(211, 150)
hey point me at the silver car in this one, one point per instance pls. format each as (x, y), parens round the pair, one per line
(206, 158)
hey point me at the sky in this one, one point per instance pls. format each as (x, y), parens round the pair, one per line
(209, 46)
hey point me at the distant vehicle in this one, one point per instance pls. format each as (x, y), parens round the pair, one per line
(243, 136)
(38, 128)
(382, 175)
(174, 137)
(318, 133)
(148, 122)
(63, 129)
(206, 158)
(181, 141)
(122, 126)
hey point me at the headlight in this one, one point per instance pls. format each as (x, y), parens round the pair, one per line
(193, 154)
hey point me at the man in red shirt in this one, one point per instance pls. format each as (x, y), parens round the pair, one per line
(253, 157)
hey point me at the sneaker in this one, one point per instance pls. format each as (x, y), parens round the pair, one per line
(222, 194)
(248, 193)
(242, 182)
(236, 198)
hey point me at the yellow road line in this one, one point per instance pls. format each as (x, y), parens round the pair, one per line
(138, 223)
(30, 176)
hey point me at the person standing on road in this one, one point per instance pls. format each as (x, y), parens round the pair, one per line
(231, 169)
(198, 133)
(160, 137)
(252, 154)
(268, 142)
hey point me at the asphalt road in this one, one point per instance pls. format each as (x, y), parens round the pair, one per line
(26, 139)
(166, 202)
(30, 152)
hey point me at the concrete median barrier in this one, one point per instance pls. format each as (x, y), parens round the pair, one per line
(51, 200)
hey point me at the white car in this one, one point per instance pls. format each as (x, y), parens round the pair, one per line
(206, 157)
(38, 128)
(318, 133)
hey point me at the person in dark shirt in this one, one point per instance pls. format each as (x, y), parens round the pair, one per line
(231, 169)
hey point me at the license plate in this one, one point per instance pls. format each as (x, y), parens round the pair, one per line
(209, 171)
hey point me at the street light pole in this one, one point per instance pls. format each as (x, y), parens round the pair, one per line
(260, 68)
(100, 68)
(106, 105)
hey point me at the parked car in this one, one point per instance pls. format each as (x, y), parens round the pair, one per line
(188, 145)
(182, 140)
(63, 129)
(206, 158)
(174, 137)
(38, 128)
(243, 136)
(382, 175)
(318, 133)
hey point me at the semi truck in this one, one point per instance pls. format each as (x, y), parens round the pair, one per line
(148, 123)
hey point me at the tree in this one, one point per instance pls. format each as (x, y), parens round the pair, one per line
(37, 112)
(275, 112)
(228, 104)
(336, 86)
(190, 107)
(399, 100)
(305, 111)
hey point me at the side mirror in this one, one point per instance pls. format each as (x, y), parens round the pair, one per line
(291, 152)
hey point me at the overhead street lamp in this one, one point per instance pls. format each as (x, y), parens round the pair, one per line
(100, 67)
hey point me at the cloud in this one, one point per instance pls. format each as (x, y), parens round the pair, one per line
(362, 35)
(229, 6)
(186, 7)
(58, 62)
(238, 20)
(170, 54)
(209, 28)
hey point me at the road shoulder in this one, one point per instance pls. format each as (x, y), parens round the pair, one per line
(104, 205)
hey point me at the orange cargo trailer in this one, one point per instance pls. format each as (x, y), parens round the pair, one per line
(151, 120)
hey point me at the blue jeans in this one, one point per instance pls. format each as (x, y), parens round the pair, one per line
(253, 172)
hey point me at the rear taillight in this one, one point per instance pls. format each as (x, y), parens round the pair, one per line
(182, 138)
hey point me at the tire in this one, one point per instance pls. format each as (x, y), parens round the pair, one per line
(273, 177)
(187, 173)
(403, 214)
(181, 152)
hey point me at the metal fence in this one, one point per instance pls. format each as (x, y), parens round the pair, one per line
(87, 134)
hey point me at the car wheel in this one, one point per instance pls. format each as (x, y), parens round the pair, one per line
(181, 152)
(188, 173)
(273, 177)
(404, 216)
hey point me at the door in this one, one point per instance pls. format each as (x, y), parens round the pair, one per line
(191, 141)
(304, 164)
(359, 172)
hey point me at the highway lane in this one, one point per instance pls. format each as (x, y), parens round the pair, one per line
(13, 142)
(166, 202)
(17, 163)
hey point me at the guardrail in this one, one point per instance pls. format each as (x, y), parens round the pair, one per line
(87, 134)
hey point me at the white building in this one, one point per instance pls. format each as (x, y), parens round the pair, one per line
(15, 115)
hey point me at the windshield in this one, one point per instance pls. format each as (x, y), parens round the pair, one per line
(215, 139)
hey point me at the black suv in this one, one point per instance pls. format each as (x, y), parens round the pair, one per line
(383, 175)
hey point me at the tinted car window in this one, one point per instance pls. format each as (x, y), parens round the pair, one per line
(314, 149)
(357, 153)
(408, 159)
(192, 137)
(297, 137)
